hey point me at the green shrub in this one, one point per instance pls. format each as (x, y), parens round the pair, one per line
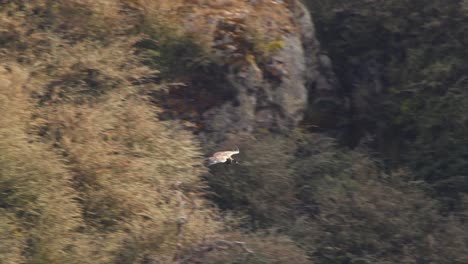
(402, 65)
(337, 204)
(262, 185)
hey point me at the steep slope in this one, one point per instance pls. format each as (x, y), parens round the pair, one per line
(108, 107)
(251, 65)
(87, 170)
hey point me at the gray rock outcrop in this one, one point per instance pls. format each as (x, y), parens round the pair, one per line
(272, 87)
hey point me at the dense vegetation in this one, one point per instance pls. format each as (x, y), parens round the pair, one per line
(402, 64)
(90, 172)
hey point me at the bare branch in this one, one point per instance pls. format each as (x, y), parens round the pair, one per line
(237, 243)
(220, 244)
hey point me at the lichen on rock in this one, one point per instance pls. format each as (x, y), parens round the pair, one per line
(266, 68)
(269, 58)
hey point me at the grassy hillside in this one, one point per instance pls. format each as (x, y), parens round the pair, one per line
(91, 173)
(87, 171)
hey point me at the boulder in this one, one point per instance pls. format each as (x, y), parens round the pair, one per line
(271, 61)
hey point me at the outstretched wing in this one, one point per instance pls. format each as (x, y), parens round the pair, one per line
(227, 154)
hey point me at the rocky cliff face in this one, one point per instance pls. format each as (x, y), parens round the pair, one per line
(272, 65)
(272, 88)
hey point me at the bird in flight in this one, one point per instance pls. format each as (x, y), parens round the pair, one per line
(222, 157)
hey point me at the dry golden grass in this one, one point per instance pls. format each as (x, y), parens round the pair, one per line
(255, 24)
(12, 240)
(10, 128)
(37, 196)
(106, 189)
(87, 171)
(126, 163)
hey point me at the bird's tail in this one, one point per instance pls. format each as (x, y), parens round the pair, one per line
(237, 149)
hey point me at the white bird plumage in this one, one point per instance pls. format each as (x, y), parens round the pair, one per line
(222, 157)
